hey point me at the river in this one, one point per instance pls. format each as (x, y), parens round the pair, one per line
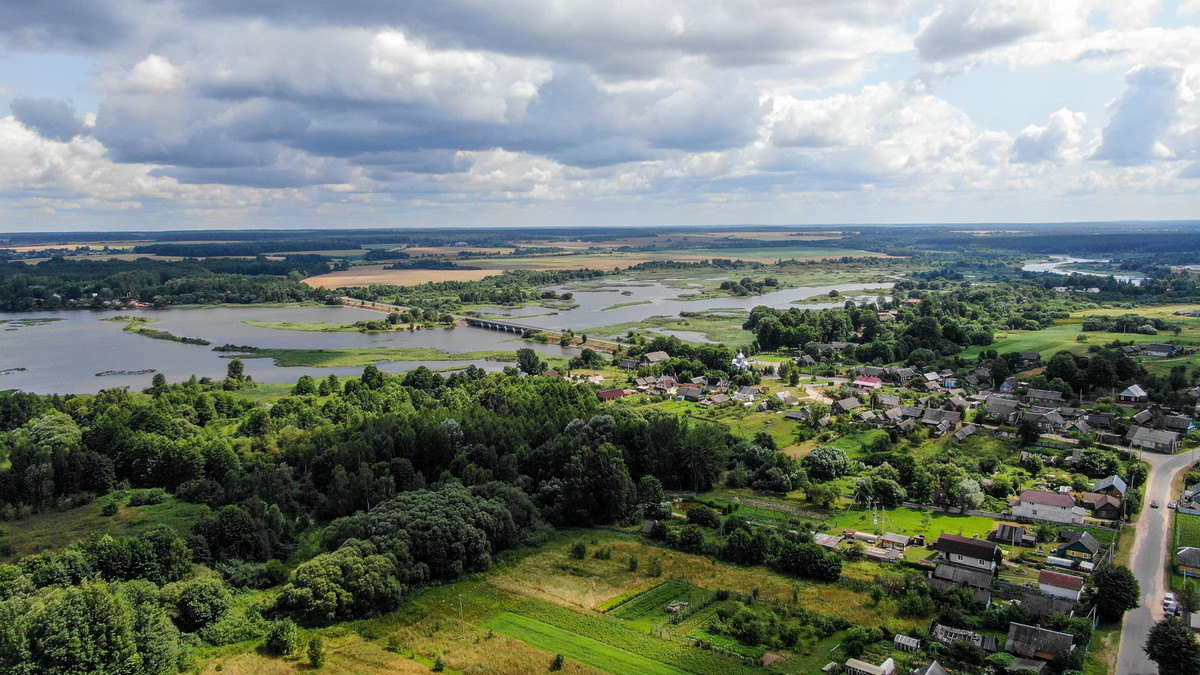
(65, 354)
(1061, 265)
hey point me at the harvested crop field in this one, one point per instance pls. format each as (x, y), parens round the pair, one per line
(375, 274)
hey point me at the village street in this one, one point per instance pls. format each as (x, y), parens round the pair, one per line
(1150, 558)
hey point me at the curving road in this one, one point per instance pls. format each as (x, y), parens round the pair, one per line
(1150, 556)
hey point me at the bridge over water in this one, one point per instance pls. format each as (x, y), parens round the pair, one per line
(505, 326)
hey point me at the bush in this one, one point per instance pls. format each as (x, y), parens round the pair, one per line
(148, 497)
(703, 516)
(559, 660)
(316, 652)
(282, 638)
(633, 563)
(110, 509)
(655, 568)
(439, 665)
(579, 550)
(200, 602)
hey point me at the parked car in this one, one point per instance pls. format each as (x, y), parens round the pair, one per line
(1168, 599)
(1154, 504)
(1171, 505)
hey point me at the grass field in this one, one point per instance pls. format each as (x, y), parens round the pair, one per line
(593, 652)
(55, 530)
(1064, 337)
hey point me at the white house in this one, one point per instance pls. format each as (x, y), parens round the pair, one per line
(1049, 507)
(1060, 585)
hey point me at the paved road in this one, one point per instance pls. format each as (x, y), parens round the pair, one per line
(1150, 556)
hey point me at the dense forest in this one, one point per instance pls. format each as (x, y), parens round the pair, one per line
(405, 480)
(61, 283)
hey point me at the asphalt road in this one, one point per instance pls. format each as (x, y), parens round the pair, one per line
(1150, 556)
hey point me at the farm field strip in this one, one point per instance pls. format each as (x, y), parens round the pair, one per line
(653, 599)
(578, 647)
(617, 633)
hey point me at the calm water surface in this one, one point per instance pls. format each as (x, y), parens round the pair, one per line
(64, 356)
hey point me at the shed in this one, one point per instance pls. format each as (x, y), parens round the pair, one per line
(1035, 642)
(906, 643)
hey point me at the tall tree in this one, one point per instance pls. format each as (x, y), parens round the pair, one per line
(1173, 647)
(1117, 591)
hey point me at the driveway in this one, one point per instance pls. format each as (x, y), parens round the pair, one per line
(1150, 557)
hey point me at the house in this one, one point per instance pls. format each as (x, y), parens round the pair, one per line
(1187, 561)
(1008, 386)
(967, 552)
(1013, 535)
(962, 575)
(893, 540)
(1002, 410)
(797, 415)
(856, 667)
(652, 358)
(1047, 506)
(807, 360)
(889, 400)
(613, 394)
(1194, 393)
(1044, 397)
(965, 432)
(867, 382)
(1037, 643)
(746, 394)
(906, 644)
(1134, 394)
(1031, 359)
(689, 393)
(718, 399)
(787, 398)
(846, 405)
(1102, 506)
(1159, 349)
(1078, 546)
(1143, 417)
(627, 364)
(1046, 422)
(1180, 424)
(934, 668)
(1153, 439)
(1060, 585)
(1113, 485)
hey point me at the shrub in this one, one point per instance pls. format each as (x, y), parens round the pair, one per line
(282, 637)
(316, 652)
(559, 660)
(579, 550)
(148, 497)
(655, 568)
(633, 563)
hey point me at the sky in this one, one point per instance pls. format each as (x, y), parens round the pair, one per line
(176, 114)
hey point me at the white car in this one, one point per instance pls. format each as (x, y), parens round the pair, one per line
(1168, 600)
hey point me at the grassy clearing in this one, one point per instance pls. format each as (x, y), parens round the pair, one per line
(367, 355)
(56, 530)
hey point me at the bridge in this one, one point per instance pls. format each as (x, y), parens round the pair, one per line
(501, 325)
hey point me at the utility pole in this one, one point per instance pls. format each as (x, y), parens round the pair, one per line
(462, 618)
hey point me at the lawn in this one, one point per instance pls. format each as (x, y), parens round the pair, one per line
(1187, 530)
(910, 522)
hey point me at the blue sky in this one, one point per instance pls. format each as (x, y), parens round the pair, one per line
(169, 114)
